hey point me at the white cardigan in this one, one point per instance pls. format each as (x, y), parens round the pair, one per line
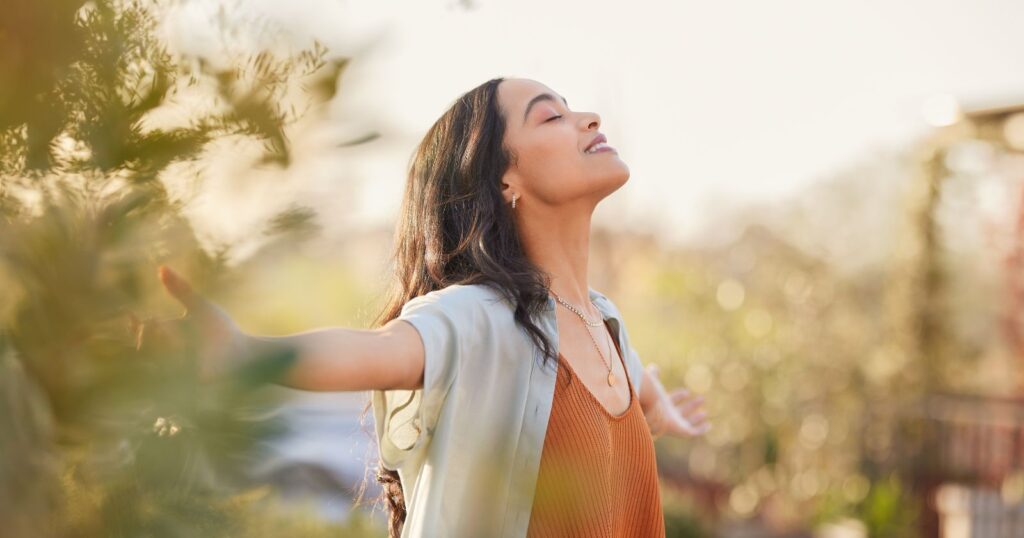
(468, 445)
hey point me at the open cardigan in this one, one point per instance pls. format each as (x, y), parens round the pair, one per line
(468, 445)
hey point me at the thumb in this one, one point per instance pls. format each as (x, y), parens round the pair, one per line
(178, 287)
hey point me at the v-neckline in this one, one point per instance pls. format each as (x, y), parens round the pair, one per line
(622, 361)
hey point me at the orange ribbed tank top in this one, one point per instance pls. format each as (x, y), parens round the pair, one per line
(598, 476)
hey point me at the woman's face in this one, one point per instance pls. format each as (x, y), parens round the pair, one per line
(550, 139)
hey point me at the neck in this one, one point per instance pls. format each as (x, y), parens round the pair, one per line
(559, 243)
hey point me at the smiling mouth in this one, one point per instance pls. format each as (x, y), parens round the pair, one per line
(600, 147)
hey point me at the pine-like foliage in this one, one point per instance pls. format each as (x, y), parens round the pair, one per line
(98, 436)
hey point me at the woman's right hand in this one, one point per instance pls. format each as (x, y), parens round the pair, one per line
(218, 339)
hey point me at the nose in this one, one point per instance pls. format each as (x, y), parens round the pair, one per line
(591, 120)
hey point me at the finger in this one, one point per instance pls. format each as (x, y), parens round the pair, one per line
(696, 428)
(693, 413)
(703, 423)
(696, 417)
(700, 430)
(681, 394)
(178, 287)
(685, 407)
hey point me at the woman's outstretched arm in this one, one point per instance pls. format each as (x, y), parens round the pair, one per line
(327, 359)
(349, 359)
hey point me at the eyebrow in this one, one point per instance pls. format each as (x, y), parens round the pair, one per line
(539, 98)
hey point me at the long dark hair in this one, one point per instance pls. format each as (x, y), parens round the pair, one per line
(455, 227)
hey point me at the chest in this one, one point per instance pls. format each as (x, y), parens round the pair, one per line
(592, 353)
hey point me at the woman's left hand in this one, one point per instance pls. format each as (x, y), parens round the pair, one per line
(676, 413)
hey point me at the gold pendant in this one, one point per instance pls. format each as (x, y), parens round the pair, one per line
(611, 379)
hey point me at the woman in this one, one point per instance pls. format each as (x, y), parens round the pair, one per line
(510, 402)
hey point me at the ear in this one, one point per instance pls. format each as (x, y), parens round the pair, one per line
(509, 185)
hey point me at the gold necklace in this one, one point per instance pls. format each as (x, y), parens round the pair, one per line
(611, 376)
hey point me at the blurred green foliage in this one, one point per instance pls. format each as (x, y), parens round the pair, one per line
(98, 436)
(815, 369)
(887, 512)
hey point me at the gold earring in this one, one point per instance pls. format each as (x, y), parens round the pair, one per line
(514, 200)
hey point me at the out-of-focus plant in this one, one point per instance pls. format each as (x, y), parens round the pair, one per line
(888, 510)
(682, 519)
(810, 357)
(101, 433)
(780, 344)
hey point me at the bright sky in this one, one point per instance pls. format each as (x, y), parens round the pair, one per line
(709, 103)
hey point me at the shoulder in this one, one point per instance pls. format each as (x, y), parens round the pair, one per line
(470, 299)
(461, 293)
(457, 317)
(605, 304)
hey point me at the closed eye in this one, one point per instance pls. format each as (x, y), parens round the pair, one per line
(553, 118)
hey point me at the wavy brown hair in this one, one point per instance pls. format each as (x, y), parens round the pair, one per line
(454, 227)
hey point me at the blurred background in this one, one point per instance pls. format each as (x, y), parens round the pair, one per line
(823, 233)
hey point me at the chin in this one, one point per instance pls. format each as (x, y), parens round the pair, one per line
(623, 176)
(613, 182)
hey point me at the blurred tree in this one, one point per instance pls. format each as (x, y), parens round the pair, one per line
(100, 437)
(789, 330)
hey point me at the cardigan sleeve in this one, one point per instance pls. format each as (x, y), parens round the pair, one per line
(405, 420)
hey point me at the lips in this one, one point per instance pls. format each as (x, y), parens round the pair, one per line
(597, 139)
